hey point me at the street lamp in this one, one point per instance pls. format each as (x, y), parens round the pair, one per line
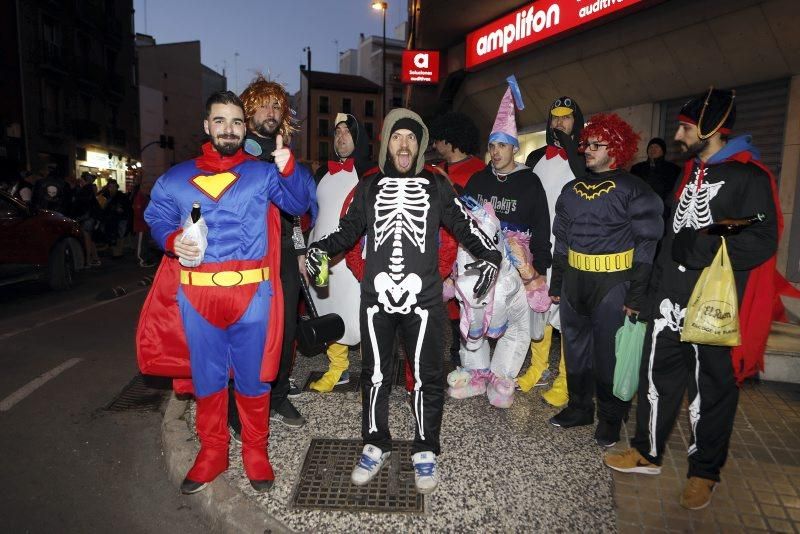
(383, 6)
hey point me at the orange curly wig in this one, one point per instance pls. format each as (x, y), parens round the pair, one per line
(259, 92)
(623, 142)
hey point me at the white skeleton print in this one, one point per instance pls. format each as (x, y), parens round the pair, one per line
(401, 210)
(693, 210)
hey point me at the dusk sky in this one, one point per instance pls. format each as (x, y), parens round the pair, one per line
(269, 35)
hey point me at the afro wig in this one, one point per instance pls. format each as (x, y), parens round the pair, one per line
(622, 141)
(259, 92)
(456, 129)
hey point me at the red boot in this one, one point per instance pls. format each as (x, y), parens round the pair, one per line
(212, 429)
(254, 415)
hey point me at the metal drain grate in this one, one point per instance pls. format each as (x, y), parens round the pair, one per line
(352, 385)
(140, 395)
(325, 480)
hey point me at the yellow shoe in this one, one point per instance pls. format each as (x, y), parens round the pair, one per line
(558, 395)
(335, 375)
(631, 461)
(540, 351)
(697, 493)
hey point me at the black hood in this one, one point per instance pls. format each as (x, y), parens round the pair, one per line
(565, 102)
(360, 141)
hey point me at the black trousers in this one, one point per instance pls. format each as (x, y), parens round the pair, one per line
(290, 281)
(590, 355)
(423, 336)
(669, 366)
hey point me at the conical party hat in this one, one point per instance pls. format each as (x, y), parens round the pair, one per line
(505, 124)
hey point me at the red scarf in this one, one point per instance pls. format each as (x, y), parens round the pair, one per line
(213, 161)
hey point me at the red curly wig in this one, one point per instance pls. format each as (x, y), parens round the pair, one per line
(623, 142)
(259, 92)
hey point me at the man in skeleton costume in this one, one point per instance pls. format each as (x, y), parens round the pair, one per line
(343, 292)
(555, 164)
(607, 225)
(519, 202)
(724, 179)
(400, 209)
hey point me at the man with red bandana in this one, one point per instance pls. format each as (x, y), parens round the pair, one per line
(223, 305)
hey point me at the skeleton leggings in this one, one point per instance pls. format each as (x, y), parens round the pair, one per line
(668, 366)
(422, 335)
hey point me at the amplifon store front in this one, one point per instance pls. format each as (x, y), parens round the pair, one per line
(639, 58)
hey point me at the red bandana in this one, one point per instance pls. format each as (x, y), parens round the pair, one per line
(553, 151)
(336, 166)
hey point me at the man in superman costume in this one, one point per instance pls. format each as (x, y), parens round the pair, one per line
(214, 319)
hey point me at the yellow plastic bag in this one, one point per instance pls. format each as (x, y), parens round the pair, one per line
(712, 315)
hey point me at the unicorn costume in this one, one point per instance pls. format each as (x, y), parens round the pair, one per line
(513, 209)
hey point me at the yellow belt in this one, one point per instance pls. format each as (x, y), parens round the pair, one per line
(225, 278)
(601, 263)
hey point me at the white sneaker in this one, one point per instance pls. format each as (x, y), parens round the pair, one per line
(371, 461)
(425, 477)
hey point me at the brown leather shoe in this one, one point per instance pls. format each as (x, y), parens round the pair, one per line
(631, 461)
(697, 493)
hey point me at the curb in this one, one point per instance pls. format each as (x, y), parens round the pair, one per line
(225, 507)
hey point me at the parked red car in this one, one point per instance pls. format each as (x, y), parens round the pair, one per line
(38, 244)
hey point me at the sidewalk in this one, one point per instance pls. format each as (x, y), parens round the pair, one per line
(510, 471)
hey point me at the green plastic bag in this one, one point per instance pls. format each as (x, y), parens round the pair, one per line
(628, 347)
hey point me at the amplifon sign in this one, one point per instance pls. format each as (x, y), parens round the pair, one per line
(420, 66)
(536, 22)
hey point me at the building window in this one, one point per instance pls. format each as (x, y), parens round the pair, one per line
(347, 105)
(324, 128)
(323, 151)
(369, 108)
(323, 104)
(369, 129)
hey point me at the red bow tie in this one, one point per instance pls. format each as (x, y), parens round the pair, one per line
(336, 166)
(553, 151)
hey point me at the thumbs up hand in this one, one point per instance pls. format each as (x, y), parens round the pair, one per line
(282, 157)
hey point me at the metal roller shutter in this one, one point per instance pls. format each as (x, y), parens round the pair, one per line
(760, 111)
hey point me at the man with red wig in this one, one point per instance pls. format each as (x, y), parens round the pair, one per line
(606, 228)
(723, 180)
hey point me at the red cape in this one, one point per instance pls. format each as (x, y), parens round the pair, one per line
(761, 303)
(161, 348)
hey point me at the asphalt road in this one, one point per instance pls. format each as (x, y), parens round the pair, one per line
(66, 464)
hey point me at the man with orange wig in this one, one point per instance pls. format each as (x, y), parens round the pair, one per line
(606, 228)
(267, 113)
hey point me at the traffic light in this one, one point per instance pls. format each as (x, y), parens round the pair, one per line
(162, 141)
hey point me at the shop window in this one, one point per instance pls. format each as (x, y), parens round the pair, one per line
(323, 104)
(369, 108)
(323, 151)
(323, 128)
(347, 105)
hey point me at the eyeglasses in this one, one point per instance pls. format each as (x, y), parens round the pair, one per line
(592, 146)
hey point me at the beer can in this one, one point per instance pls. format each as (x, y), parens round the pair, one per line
(321, 279)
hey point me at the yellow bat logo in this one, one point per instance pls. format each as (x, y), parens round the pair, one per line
(592, 191)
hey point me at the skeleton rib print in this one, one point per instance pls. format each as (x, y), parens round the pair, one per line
(693, 210)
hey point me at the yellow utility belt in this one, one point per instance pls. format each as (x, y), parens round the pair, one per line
(601, 263)
(225, 278)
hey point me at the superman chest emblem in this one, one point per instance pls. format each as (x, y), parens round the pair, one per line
(593, 191)
(214, 185)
